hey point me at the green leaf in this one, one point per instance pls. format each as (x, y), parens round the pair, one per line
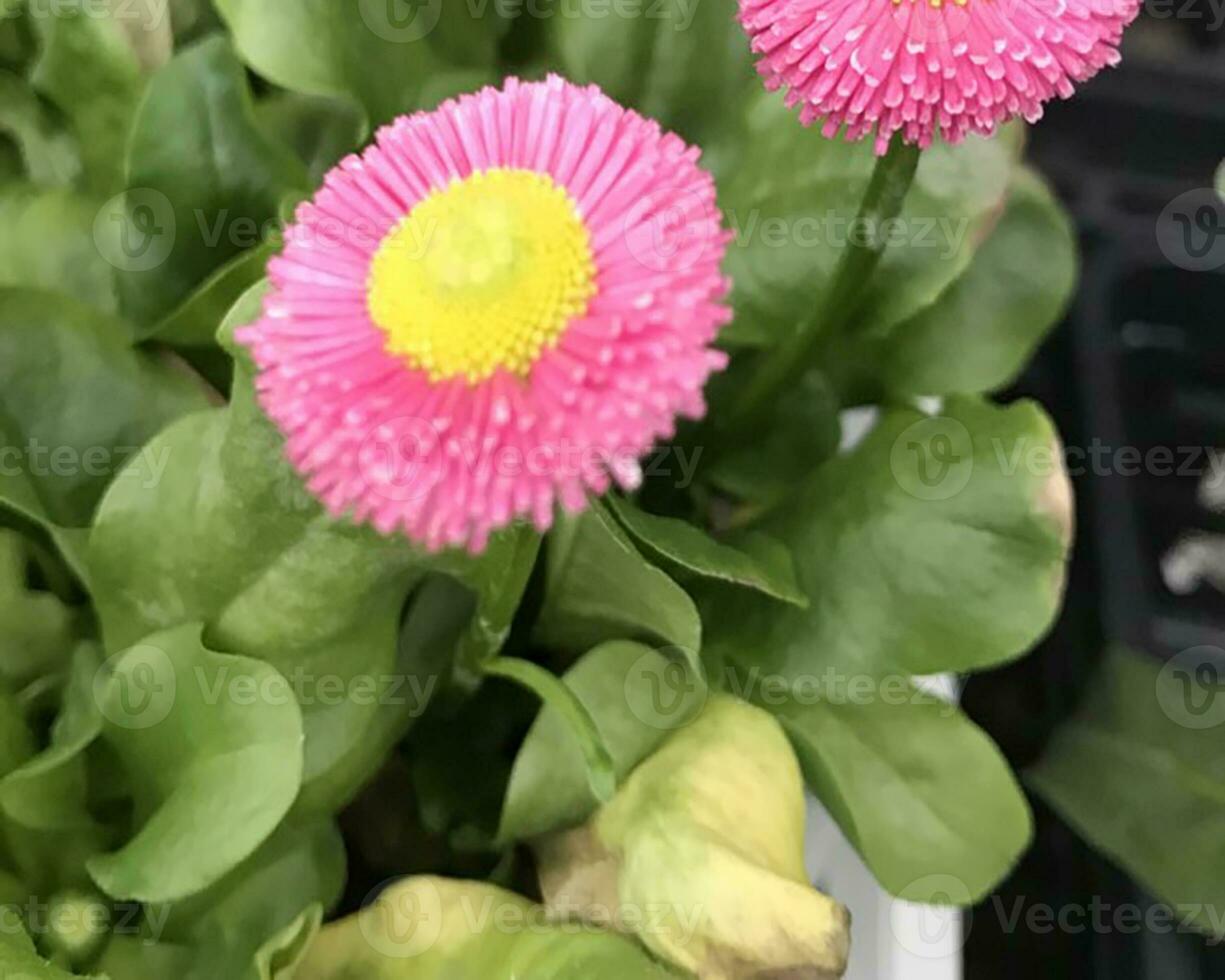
(45, 802)
(792, 199)
(762, 566)
(598, 587)
(566, 705)
(938, 544)
(432, 928)
(196, 321)
(212, 744)
(1139, 771)
(635, 696)
(802, 432)
(16, 740)
(298, 871)
(993, 317)
(50, 155)
(375, 52)
(229, 536)
(76, 403)
(49, 244)
(682, 62)
(38, 629)
(923, 794)
(88, 69)
(205, 182)
(49, 792)
(20, 961)
(321, 130)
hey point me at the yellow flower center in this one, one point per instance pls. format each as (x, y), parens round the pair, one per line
(482, 275)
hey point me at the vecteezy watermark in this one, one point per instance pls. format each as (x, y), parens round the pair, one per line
(138, 688)
(1212, 11)
(933, 458)
(401, 21)
(135, 231)
(1191, 230)
(941, 924)
(1191, 688)
(406, 921)
(663, 691)
(931, 919)
(407, 21)
(403, 459)
(1103, 918)
(149, 15)
(145, 465)
(1098, 458)
(837, 230)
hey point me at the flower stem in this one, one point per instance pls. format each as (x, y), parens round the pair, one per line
(786, 364)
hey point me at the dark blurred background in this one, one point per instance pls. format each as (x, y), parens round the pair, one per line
(1140, 362)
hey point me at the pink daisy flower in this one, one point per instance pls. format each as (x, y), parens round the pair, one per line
(498, 307)
(915, 65)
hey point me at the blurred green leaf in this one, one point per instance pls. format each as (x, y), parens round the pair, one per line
(45, 802)
(195, 323)
(1139, 771)
(205, 182)
(938, 544)
(802, 431)
(49, 244)
(685, 63)
(50, 154)
(299, 868)
(923, 794)
(635, 696)
(375, 52)
(212, 744)
(89, 70)
(38, 629)
(76, 403)
(20, 961)
(993, 317)
(321, 130)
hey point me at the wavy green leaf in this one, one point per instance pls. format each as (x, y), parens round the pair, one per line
(924, 795)
(212, 745)
(937, 544)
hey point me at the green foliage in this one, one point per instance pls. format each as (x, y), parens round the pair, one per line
(1140, 772)
(214, 694)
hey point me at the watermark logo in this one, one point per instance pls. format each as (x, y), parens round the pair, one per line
(402, 923)
(401, 21)
(1191, 231)
(136, 689)
(135, 231)
(1191, 688)
(933, 459)
(672, 235)
(938, 927)
(663, 691)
